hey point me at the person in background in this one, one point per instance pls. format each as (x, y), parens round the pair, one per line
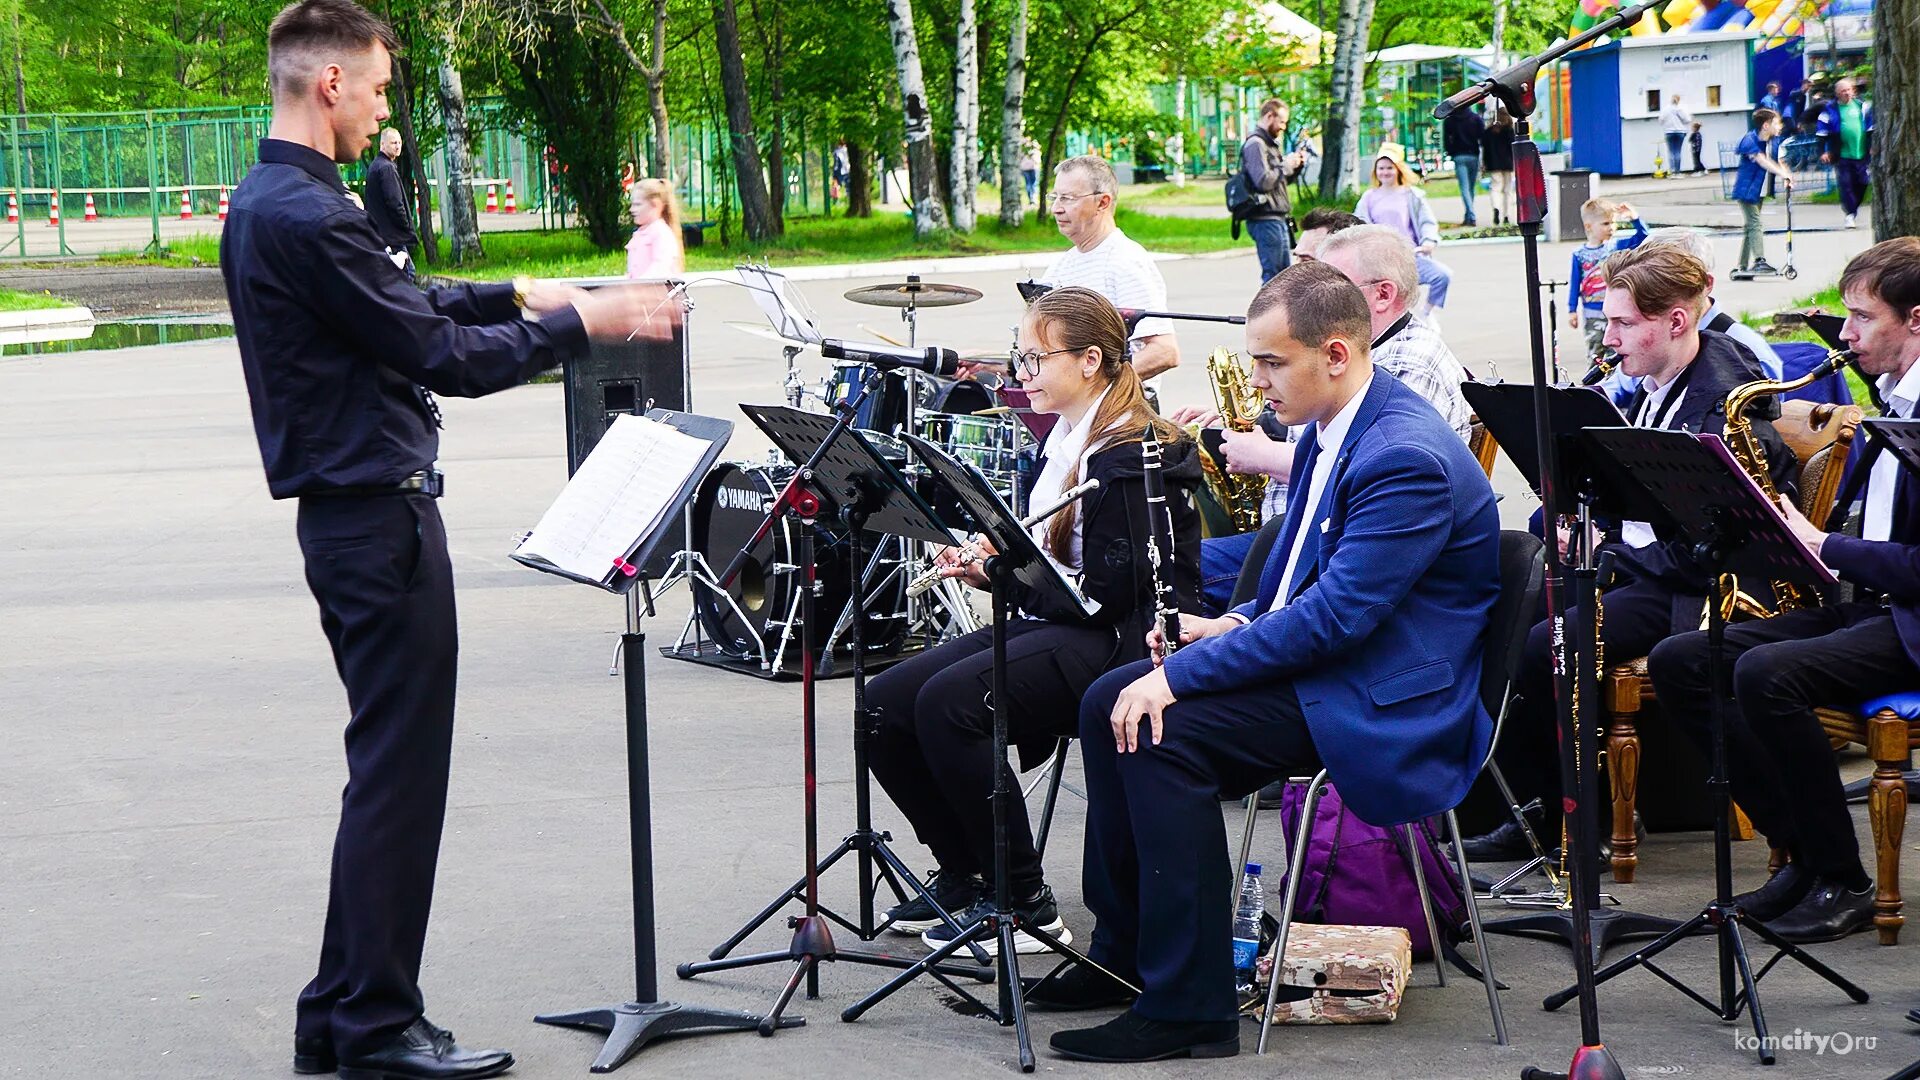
(386, 203)
(1675, 122)
(1268, 166)
(1697, 143)
(842, 169)
(655, 250)
(1030, 167)
(1773, 99)
(1396, 201)
(1749, 187)
(1496, 156)
(1846, 134)
(1460, 135)
(1586, 288)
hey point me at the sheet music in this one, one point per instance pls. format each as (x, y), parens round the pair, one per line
(785, 309)
(622, 492)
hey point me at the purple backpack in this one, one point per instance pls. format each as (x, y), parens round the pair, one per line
(1358, 874)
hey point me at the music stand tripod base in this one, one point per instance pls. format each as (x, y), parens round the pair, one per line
(632, 1025)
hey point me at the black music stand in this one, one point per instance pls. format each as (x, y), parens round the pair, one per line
(631, 1025)
(845, 477)
(1734, 529)
(1507, 411)
(1019, 559)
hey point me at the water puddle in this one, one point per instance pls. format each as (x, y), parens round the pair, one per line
(121, 334)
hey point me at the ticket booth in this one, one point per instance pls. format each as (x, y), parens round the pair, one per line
(1621, 88)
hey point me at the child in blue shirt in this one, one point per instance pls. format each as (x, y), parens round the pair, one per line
(1586, 289)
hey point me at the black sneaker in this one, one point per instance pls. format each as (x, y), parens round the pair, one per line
(1040, 912)
(1781, 894)
(954, 892)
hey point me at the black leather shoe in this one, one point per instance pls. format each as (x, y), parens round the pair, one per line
(1778, 896)
(425, 1052)
(1913, 1016)
(1829, 912)
(1132, 1037)
(313, 1056)
(1504, 844)
(1073, 987)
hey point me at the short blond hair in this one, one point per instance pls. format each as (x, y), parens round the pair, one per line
(1597, 209)
(1099, 174)
(1659, 278)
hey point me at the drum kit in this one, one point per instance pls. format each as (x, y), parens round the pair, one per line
(754, 624)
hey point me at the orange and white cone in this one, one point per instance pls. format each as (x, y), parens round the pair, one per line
(493, 199)
(186, 206)
(53, 211)
(90, 215)
(223, 204)
(510, 197)
(13, 209)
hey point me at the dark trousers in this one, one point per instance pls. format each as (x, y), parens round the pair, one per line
(1778, 760)
(1636, 616)
(1221, 559)
(1157, 873)
(933, 752)
(1851, 176)
(378, 567)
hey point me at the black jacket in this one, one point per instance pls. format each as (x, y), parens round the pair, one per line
(1274, 203)
(387, 205)
(1460, 133)
(1496, 149)
(1723, 364)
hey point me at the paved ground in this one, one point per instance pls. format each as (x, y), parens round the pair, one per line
(173, 764)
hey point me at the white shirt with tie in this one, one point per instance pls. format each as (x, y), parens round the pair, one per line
(1901, 397)
(1653, 413)
(1330, 440)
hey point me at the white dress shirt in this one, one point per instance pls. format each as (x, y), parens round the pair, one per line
(1330, 441)
(1901, 396)
(1639, 534)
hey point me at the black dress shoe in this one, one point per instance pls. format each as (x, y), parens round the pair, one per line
(1913, 1016)
(425, 1052)
(1073, 987)
(1778, 896)
(1829, 912)
(1132, 1037)
(1504, 844)
(313, 1056)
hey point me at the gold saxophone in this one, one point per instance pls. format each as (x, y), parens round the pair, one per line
(1739, 437)
(1239, 494)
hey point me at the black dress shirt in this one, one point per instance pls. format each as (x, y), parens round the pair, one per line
(387, 205)
(336, 344)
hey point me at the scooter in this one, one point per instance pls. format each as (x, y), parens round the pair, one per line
(1786, 269)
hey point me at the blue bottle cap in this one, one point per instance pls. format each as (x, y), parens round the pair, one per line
(1253, 868)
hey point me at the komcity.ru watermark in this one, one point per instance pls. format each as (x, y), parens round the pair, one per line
(1839, 1043)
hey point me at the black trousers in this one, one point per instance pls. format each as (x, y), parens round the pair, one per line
(1778, 760)
(378, 567)
(1158, 877)
(1636, 615)
(933, 752)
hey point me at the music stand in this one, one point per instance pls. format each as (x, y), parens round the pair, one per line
(1020, 560)
(631, 1025)
(1734, 528)
(845, 477)
(1507, 411)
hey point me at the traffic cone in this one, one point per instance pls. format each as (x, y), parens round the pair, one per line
(13, 209)
(223, 204)
(509, 196)
(493, 199)
(90, 214)
(53, 211)
(186, 206)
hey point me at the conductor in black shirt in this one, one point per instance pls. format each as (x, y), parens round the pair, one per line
(339, 353)
(387, 202)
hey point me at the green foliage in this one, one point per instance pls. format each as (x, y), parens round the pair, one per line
(12, 300)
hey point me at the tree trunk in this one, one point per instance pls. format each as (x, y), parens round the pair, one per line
(1013, 186)
(964, 177)
(756, 209)
(656, 76)
(1177, 143)
(1896, 120)
(929, 216)
(1340, 141)
(859, 181)
(19, 62)
(1499, 34)
(416, 169)
(457, 215)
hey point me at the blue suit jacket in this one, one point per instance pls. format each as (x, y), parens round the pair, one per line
(1382, 639)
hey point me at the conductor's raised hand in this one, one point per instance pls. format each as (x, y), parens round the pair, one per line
(1145, 698)
(626, 312)
(544, 296)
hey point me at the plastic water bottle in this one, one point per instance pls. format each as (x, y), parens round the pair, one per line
(1246, 928)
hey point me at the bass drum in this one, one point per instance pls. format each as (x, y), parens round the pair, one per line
(730, 504)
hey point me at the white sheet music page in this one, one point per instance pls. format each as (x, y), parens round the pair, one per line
(619, 494)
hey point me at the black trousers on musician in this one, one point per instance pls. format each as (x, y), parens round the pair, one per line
(933, 751)
(378, 566)
(1779, 762)
(1158, 875)
(1636, 615)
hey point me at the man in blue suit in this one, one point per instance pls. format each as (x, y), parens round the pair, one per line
(1362, 651)
(1782, 772)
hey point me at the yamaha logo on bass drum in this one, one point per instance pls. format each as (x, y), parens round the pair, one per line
(733, 498)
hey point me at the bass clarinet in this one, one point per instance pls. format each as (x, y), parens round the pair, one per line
(1159, 543)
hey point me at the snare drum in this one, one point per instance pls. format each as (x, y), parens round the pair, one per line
(885, 407)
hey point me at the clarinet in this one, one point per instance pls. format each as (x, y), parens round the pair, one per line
(1159, 540)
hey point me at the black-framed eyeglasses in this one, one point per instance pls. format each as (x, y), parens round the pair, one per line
(1059, 198)
(1028, 363)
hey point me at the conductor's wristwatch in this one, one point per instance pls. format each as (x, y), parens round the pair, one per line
(522, 285)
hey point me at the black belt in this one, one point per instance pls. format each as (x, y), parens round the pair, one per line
(429, 482)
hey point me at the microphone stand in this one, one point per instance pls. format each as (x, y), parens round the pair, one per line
(1514, 88)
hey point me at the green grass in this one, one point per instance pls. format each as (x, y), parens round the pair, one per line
(11, 300)
(178, 252)
(1827, 300)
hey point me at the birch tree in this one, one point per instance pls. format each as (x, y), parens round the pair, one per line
(1013, 186)
(929, 216)
(963, 178)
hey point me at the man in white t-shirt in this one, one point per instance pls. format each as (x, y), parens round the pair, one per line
(1107, 261)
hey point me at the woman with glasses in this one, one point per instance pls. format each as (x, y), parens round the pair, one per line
(933, 751)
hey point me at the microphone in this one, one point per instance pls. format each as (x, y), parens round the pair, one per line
(932, 360)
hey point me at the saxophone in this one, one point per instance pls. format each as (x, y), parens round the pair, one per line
(1746, 449)
(1239, 494)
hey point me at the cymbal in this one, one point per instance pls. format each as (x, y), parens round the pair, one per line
(900, 294)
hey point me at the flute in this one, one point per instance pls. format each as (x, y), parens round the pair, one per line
(932, 577)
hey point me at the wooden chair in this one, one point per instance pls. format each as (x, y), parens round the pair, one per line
(1821, 436)
(1887, 727)
(1484, 446)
